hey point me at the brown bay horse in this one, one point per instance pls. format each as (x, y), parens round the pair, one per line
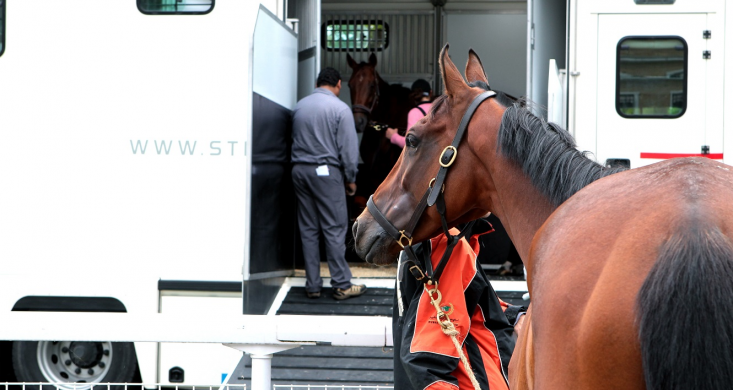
(375, 100)
(630, 273)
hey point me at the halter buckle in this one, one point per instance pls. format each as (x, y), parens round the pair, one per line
(403, 235)
(417, 272)
(432, 183)
(450, 157)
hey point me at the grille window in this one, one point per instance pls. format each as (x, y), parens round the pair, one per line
(362, 35)
(175, 7)
(651, 77)
(2, 27)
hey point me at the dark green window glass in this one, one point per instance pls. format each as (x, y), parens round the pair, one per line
(162, 7)
(364, 35)
(651, 77)
(2, 27)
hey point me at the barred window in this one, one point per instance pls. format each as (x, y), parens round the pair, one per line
(175, 7)
(355, 35)
(651, 78)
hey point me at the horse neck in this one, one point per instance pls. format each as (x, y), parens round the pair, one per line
(520, 206)
(381, 111)
(511, 196)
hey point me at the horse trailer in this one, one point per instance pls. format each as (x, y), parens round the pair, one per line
(145, 166)
(138, 138)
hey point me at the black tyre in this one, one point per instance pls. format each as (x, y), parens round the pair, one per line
(73, 362)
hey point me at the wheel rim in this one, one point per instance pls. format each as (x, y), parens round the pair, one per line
(74, 362)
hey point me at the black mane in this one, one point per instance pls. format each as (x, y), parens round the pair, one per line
(547, 154)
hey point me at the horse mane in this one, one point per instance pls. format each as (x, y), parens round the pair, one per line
(547, 154)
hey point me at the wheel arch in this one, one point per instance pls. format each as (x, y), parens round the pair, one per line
(69, 304)
(64, 304)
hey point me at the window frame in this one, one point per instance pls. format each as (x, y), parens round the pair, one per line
(324, 42)
(3, 6)
(137, 2)
(618, 76)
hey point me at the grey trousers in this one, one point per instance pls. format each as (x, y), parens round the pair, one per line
(322, 210)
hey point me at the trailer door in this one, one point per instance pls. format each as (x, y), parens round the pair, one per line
(656, 93)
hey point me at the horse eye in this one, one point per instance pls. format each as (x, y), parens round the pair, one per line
(411, 141)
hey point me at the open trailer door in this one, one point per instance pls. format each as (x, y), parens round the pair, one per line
(274, 92)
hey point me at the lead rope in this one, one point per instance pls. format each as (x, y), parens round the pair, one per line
(448, 329)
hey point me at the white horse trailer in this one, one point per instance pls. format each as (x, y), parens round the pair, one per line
(137, 139)
(144, 166)
(646, 79)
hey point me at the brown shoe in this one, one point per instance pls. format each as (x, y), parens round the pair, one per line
(313, 295)
(354, 291)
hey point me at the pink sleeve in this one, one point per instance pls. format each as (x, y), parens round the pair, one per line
(398, 140)
(413, 116)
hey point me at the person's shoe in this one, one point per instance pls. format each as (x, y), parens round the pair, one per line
(354, 291)
(313, 295)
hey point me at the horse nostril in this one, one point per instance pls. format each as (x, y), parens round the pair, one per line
(355, 228)
(360, 123)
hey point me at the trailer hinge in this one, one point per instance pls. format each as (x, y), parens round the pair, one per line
(705, 149)
(706, 55)
(706, 34)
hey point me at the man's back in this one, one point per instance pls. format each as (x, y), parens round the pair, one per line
(324, 133)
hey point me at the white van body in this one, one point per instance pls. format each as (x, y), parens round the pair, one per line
(126, 161)
(598, 32)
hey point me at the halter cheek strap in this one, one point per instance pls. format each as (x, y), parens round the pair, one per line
(433, 196)
(449, 154)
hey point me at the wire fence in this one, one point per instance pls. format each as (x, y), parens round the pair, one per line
(159, 386)
(113, 386)
(332, 387)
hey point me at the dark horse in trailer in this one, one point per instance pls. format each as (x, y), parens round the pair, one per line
(376, 103)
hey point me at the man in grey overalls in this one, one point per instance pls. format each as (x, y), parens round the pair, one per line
(325, 155)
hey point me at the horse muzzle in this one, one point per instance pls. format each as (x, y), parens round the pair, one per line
(361, 121)
(371, 242)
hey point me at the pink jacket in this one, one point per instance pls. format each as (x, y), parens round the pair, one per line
(412, 117)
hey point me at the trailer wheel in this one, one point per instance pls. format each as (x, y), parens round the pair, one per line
(73, 362)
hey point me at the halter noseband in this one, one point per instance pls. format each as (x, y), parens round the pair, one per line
(433, 196)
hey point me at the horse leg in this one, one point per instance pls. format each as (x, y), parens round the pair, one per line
(521, 366)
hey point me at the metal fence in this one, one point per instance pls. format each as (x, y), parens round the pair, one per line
(113, 386)
(334, 387)
(159, 386)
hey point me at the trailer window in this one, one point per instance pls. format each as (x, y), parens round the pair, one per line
(355, 35)
(175, 7)
(651, 77)
(2, 27)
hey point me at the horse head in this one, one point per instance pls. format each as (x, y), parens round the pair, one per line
(364, 88)
(468, 188)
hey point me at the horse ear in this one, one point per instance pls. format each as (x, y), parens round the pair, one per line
(452, 79)
(373, 60)
(474, 68)
(351, 62)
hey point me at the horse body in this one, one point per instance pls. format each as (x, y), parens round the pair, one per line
(625, 219)
(630, 272)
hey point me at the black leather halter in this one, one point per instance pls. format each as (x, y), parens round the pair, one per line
(433, 196)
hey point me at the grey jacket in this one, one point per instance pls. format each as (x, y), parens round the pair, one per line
(324, 133)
